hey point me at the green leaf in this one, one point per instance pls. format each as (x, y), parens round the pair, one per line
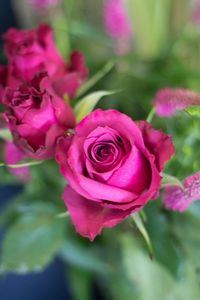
(93, 80)
(140, 225)
(32, 242)
(5, 134)
(22, 165)
(61, 32)
(187, 227)
(80, 283)
(152, 280)
(62, 215)
(193, 111)
(87, 104)
(169, 180)
(166, 249)
(85, 31)
(82, 257)
(151, 115)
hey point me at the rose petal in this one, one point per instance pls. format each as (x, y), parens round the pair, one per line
(43, 117)
(158, 143)
(88, 217)
(169, 101)
(111, 119)
(67, 85)
(77, 64)
(14, 155)
(178, 199)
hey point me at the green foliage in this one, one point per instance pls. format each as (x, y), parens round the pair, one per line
(169, 180)
(5, 134)
(165, 243)
(193, 111)
(151, 280)
(33, 240)
(140, 225)
(82, 257)
(95, 78)
(80, 283)
(61, 32)
(87, 104)
(21, 165)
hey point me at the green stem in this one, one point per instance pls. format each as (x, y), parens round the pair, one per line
(26, 164)
(62, 215)
(151, 115)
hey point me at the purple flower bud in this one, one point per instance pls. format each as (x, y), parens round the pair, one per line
(117, 24)
(168, 101)
(179, 200)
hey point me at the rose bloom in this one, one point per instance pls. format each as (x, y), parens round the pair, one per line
(36, 117)
(31, 51)
(113, 166)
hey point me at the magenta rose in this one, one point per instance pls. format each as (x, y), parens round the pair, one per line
(32, 51)
(113, 166)
(36, 117)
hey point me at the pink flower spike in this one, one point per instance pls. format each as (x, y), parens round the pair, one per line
(179, 200)
(43, 4)
(168, 101)
(196, 13)
(117, 24)
(14, 155)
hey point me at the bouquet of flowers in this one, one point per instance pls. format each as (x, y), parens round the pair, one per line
(84, 169)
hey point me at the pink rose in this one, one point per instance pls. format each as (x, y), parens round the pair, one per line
(3, 80)
(32, 51)
(113, 166)
(36, 117)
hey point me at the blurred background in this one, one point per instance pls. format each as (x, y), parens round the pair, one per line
(135, 47)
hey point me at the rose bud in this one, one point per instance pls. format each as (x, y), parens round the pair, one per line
(113, 166)
(36, 116)
(32, 51)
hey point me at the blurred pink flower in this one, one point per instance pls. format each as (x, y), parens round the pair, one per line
(179, 200)
(14, 155)
(168, 101)
(43, 4)
(118, 25)
(196, 13)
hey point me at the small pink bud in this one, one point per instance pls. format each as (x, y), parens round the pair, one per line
(179, 200)
(168, 101)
